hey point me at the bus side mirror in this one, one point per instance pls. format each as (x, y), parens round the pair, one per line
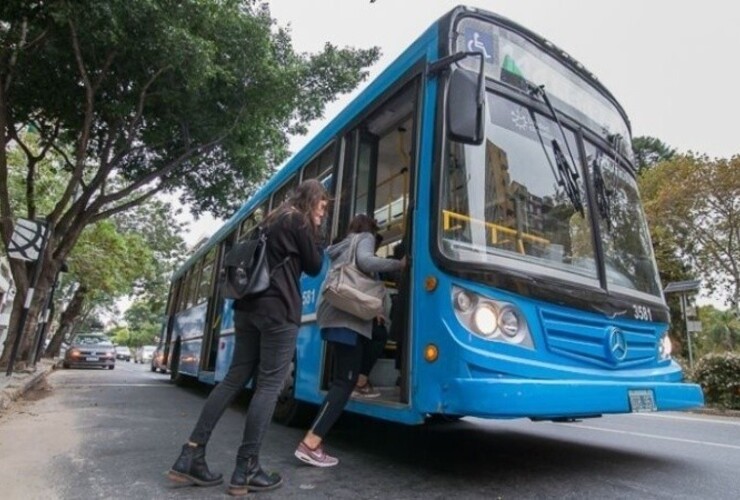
(466, 107)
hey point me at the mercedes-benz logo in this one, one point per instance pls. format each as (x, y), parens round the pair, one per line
(617, 344)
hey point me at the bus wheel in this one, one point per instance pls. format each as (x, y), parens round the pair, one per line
(288, 410)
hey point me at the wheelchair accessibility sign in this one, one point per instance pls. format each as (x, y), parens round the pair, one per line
(478, 41)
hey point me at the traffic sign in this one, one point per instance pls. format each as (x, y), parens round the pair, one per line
(27, 240)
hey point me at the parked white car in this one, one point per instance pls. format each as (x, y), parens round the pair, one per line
(144, 354)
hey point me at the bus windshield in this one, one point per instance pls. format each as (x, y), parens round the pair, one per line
(512, 59)
(502, 201)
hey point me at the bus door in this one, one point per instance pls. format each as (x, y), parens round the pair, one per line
(208, 288)
(377, 180)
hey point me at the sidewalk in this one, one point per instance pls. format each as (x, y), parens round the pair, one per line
(21, 381)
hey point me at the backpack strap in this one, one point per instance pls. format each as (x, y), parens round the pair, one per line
(264, 232)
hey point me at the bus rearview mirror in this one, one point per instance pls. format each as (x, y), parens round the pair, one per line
(465, 107)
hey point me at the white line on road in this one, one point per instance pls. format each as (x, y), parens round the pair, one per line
(654, 436)
(691, 419)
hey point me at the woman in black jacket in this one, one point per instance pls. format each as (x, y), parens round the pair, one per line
(266, 329)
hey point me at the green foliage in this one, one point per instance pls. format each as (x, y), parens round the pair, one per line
(156, 223)
(720, 331)
(120, 335)
(719, 376)
(194, 94)
(108, 261)
(649, 151)
(144, 324)
(695, 203)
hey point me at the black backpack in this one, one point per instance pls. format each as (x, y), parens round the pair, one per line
(245, 271)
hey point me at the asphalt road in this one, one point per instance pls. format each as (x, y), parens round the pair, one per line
(114, 434)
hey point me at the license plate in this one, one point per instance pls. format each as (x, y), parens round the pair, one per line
(91, 358)
(642, 400)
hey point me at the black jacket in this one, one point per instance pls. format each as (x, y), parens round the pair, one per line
(288, 236)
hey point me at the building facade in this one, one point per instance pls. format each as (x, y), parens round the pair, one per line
(7, 294)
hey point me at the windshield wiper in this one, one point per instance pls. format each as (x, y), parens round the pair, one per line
(566, 174)
(603, 194)
(568, 177)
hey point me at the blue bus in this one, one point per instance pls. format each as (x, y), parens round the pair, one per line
(506, 171)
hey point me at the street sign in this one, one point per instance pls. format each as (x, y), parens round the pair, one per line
(693, 326)
(27, 240)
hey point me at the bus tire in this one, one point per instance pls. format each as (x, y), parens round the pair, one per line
(288, 410)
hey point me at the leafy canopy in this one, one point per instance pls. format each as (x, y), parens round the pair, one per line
(167, 94)
(695, 201)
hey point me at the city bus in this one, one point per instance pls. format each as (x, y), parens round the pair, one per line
(505, 170)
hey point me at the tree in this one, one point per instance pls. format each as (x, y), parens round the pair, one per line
(103, 265)
(650, 151)
(156, 223)
(696, 201)
(720, 331)
(143, 323)
(140, 97)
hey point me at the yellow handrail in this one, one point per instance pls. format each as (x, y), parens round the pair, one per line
(448, 216)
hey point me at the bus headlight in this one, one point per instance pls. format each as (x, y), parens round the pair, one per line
(484, 319)
(464, 301)
(509, 322)
(491, 319)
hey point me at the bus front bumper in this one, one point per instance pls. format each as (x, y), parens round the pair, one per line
(501, 398)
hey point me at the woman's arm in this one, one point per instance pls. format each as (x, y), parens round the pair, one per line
(368, 262)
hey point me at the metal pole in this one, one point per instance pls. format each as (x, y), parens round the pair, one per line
(34, 354)
(684, 307)
(27, 304)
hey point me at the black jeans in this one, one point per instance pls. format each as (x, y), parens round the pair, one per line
(347, 363)
(372, 349)
(263, 346)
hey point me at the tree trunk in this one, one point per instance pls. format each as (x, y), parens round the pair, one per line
(67, 321)
(21, 275)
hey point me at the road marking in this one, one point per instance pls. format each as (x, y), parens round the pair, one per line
(654, 436)
(690, 419)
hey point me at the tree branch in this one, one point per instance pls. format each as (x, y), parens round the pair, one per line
(137, 116)
(161, 172)
(125, 206)
(84, 137)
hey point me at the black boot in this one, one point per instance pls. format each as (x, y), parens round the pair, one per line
(249, 476)
(191, 468)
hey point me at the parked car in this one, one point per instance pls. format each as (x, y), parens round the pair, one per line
(144, 354)
(123, 352)
(90, 349)
(158, 361)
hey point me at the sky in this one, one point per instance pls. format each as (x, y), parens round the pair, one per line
(671, 64)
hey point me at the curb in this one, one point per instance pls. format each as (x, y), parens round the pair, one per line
(718, 412)
(21, 382)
